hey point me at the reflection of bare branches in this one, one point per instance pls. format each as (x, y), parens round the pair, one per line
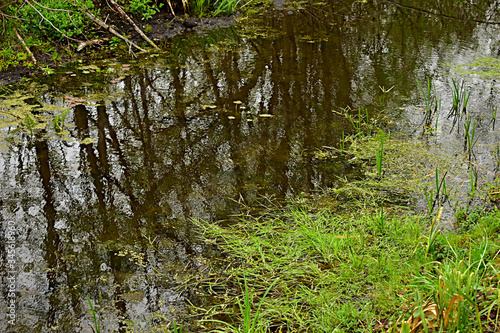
(422, 10)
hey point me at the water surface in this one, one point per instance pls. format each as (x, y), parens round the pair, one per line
(228, 116)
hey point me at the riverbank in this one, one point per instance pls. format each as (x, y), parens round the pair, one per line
(160, 28)
(359, 258)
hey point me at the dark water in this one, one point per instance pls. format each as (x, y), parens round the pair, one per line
(230, 115)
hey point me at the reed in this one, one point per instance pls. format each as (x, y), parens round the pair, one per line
(469, 136)
(432, 104)
(380, 157)
(460, 98)
(473, 182)
(441, 195)
(96, 316)
(494, 115)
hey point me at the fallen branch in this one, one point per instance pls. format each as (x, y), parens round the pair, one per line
(24, 45)
(90, 42)
(113, 31)
(129, 20)
(171, 8)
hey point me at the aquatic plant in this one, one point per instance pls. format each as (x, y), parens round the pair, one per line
(96, 316)
(460, 99)
(382, 99)
(342, 142)
(380, 153)
(432, 104)
(473, 182)
(59, 121)
(359, 124)
(178, 329)
(469, 136)
(213, 7)
(440, 195)
(250, 323)
(494, 115)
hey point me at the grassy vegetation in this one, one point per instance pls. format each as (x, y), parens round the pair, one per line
(357, 258)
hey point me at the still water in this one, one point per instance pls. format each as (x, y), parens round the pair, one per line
(220, 117)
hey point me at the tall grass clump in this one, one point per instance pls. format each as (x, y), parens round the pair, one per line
(460, 99)
(214, 7)
(325, 268)
(457, 289)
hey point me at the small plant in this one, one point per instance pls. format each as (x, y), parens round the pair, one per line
(342, 142)
(385, 91)
(494, 115)
(460, 99)
(245, 308)
(178, 329)
(114, 42)
(59, 121)
(96, 316)
(380, 153)
(143, 7)
(358, 124)
(433, 233)
(29, 122)
(496, 155)
(432, 104)
(473, 182)
(441, 194)
(469, 136)
(48, 70)
(201, 7)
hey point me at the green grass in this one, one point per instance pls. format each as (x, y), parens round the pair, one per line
(357, 259)
(96, 315)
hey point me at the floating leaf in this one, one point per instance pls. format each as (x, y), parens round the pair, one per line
(87, 141)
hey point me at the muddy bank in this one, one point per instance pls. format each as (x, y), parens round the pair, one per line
(161, 27)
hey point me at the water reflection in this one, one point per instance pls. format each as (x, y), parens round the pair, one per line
(233, 115)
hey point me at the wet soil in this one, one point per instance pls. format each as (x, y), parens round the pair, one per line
(162, 26)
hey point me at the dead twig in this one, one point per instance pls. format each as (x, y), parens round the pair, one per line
(90, 42)
(129, 20)
(113, 31)
(25, 46)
